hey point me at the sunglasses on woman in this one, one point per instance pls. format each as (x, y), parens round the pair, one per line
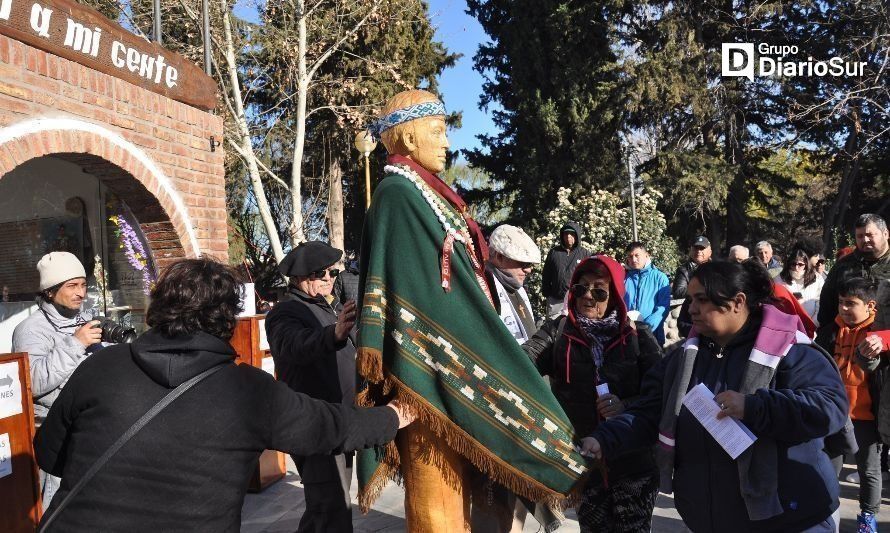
(319, 274)
(598, 294)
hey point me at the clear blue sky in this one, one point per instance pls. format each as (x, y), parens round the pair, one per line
(461, 85)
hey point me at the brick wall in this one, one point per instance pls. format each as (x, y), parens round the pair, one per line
(164, 168)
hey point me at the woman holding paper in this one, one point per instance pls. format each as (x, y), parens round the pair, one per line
(596, 357)
(760, 364)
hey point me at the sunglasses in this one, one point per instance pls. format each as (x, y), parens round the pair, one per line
(820, 262)
(319, 274)
(600, 295)
(799, 265)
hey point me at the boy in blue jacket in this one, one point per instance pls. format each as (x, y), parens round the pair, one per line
(647, 289)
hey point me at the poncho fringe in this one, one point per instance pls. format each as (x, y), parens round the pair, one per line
(500, 472)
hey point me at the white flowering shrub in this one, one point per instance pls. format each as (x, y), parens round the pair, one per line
(607, 224)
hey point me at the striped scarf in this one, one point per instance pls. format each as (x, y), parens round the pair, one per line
(758, 477)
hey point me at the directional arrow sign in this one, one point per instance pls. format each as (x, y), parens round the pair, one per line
(10, 390)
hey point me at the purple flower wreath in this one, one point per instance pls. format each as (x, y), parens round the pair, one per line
(131, 244)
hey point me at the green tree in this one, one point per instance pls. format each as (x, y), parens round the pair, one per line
(605, 220)
(554, 89)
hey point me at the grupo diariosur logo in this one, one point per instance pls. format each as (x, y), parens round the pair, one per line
(781, 61)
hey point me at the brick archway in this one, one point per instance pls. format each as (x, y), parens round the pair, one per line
(121, 165)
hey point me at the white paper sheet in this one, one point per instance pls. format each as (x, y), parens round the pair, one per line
(731, 434)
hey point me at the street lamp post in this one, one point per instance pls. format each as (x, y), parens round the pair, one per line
(365, 144)
(633, 198)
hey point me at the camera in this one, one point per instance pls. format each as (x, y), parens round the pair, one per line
(114, 332)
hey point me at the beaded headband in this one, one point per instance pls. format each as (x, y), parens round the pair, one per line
(406, 114)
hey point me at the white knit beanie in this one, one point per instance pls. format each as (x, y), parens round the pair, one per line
(59, 267)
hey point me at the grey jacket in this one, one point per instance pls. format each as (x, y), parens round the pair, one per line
(53, 352)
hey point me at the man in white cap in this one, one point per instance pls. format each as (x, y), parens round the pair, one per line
(56, 338)
(512, 255)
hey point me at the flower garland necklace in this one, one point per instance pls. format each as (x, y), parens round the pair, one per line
(454, 225)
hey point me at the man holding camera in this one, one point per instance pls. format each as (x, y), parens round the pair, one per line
(56, 337)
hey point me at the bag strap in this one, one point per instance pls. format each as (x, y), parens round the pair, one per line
(134, 429)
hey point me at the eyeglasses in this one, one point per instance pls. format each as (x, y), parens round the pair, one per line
(799, 265)
(598, 294)
(319, 274)
(820, 262)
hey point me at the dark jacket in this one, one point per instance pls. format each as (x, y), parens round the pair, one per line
(560, 264)
(562, 351)
(346, 286)
(307, 357)
(187, 470)
(854, 265)
(878, 370)
(681, 279)
(805, 403)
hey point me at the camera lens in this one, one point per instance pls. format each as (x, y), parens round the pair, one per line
(116, 333)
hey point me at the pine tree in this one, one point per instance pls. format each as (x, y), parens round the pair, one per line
(554, 89)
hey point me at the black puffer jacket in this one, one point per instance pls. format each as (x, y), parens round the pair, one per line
(307, 356)
(565, 357)
(560, 263)
(855, 265)
(681, 279)
(562, 351)
(187, 470)
(346, 286)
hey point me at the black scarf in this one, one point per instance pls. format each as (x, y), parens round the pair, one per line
(509, 282)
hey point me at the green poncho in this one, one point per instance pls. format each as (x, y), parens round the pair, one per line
(449, 357)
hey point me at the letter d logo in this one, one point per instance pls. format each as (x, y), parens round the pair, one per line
(737, 60)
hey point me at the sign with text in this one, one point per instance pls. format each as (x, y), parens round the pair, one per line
(10, 390)
(81, 34)
(19, 480)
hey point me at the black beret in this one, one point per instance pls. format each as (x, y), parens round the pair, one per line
(309, 257)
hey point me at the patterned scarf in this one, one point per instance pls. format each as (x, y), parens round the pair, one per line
(598, 332)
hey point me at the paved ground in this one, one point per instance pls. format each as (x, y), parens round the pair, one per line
(278, 510)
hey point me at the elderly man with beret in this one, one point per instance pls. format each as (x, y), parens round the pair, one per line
(311, 338)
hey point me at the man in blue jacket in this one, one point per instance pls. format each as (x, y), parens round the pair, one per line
(647, 289)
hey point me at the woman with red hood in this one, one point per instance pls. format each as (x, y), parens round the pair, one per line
(596, 358)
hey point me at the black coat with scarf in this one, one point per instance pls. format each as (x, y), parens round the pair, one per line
(805, 402)
(565, 357)
(187, 470)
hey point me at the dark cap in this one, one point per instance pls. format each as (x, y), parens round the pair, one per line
(309, 257)
(701, 242)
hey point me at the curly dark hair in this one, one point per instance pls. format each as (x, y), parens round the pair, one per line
(195, 295)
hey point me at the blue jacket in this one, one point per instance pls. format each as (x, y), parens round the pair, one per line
(648, 291)
(805, 403)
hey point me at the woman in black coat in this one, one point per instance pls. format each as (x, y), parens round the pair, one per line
(187, 470)
(595, 358)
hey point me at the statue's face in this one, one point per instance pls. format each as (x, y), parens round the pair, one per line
(428, 144)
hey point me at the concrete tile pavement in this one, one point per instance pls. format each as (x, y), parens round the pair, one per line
(278, 510)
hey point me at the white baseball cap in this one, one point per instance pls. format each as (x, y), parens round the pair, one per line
(59, 267)
(514, 244)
